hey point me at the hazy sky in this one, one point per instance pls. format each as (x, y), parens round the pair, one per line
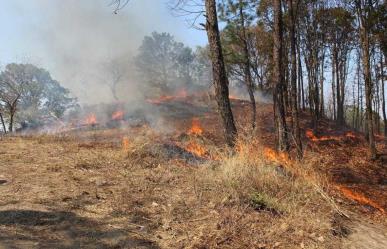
(72, 37)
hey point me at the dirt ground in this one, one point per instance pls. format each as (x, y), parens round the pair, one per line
(87, 190)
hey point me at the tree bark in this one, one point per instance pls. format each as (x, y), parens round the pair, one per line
(293, 80)
(11, 119)
(333, 87)
(2, 122)
(278, 80)
(365, 46)
(220, 80)
(383, 96)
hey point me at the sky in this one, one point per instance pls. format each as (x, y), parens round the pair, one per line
(71, 38)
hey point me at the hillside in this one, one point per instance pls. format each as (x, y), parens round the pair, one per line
(173, 184)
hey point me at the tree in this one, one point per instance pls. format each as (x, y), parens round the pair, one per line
(115, 71)
(238, 18)
(2, 122)
(312, 28)
(13, 82)
(164, 63)
(340, 37)
(220, 79)
(32, 96)
(364, 10)
(278, 79)
(293, 9)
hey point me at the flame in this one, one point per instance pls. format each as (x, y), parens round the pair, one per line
(279, 157)
(196, 149)
(181, 94)
(196, 128)
(125, 143)
(233, 97)
(91, 119)
(118, 115)
(309, 134)
(359, 197)
(350, 134)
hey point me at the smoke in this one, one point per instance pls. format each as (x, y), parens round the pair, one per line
(76, 39)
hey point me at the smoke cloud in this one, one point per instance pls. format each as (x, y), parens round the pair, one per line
(75, 39)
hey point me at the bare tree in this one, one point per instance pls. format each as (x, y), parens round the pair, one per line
(363, 10)
(293, 8)
(278, 79)
(115, 70)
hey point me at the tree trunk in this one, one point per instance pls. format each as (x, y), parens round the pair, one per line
(293, 80)
(365, 46)
(247, 66)
(322, 86)
(358, 118)
(333, 86)
(220, 80)
(300, 74)
(11, 118)
(278, 80)
(383, 97)
(2, 122)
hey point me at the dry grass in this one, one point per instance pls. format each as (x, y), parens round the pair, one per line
(159, 196)
(282, 208)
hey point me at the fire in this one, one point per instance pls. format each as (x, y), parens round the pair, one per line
(181, 94)
(279, 157)
(118, 115)
(196, 149)
(233, 97)
(125, 143)
(350, 134)
(309, 134)
(91, 119)
(196, 128)
(359, 197)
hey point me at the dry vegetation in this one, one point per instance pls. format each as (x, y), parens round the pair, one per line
(70, 194)
(137, 188)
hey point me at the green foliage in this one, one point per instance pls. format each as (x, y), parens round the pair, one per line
(37, 98)
(164, 63)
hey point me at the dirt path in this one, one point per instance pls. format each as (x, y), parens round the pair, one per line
(365, 234)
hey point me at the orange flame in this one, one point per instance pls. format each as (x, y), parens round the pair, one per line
(314, 138)
(181, 94)
(125, 143)
(196, 128)
(309, 134)
(118, 115)
(196, 149)
(279, 157)
(91, 119)
(359, 197)
(350, 134)
(233, 97)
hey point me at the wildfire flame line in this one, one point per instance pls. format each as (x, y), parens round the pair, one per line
(181, 94)
(284, 159)
(309, 134)
(359, 197)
